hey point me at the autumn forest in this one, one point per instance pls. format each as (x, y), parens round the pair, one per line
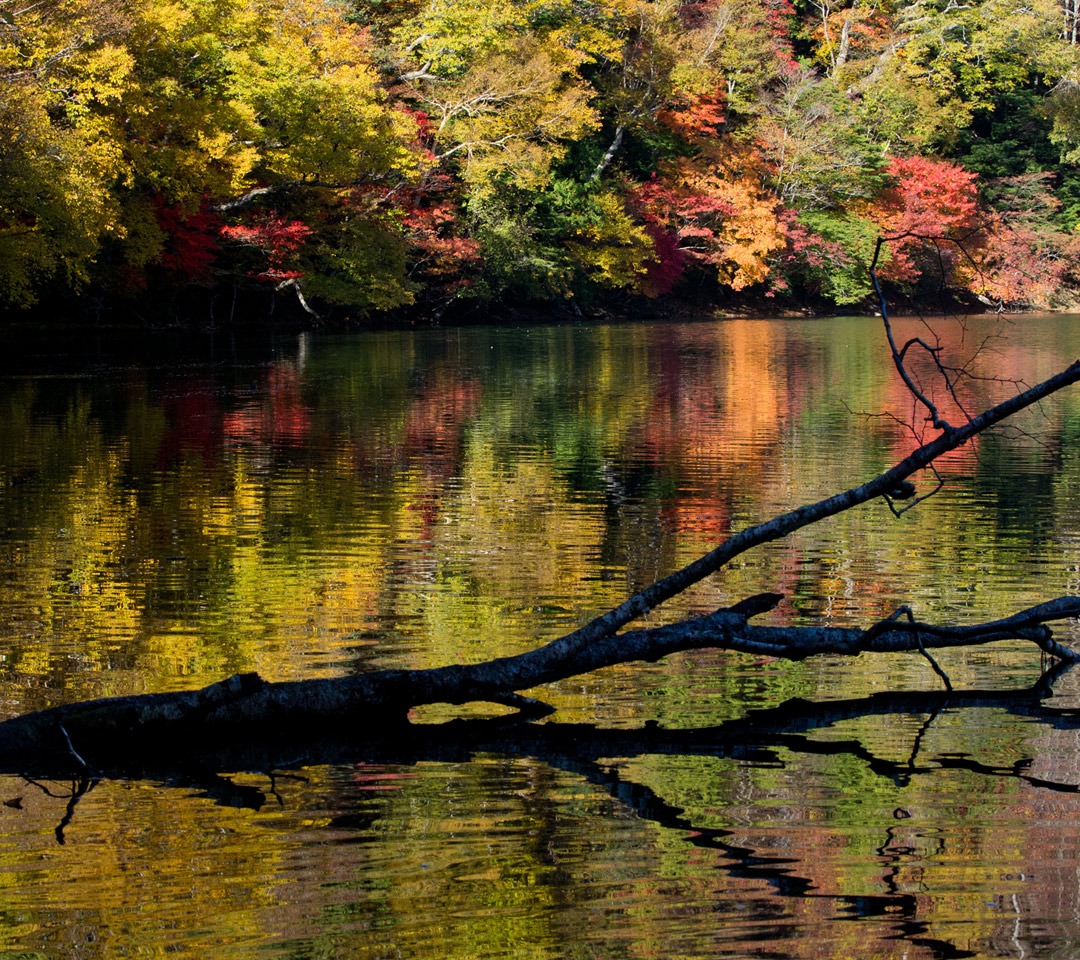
(367, 158)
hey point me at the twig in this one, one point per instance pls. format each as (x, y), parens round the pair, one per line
(71, 749)
(899, 512)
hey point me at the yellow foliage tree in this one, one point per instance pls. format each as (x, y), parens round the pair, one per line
(314, 98)
(106, 111)
(56, 165)
(614, 249)
(502, 82)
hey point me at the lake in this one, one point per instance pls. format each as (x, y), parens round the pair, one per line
(177, 507)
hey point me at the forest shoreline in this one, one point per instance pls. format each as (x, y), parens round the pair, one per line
(387, 165)
(253, 313)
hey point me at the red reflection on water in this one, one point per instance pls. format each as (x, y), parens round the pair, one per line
(433, 434)
(277, 415)
(193, 415)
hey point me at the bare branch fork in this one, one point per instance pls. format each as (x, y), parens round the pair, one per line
(899, 355)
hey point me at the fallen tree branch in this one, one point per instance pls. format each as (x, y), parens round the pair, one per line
(246, 706)
(778, 527)
(576, 747)
(99, 732)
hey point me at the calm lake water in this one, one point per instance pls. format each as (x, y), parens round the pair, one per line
(177, 508)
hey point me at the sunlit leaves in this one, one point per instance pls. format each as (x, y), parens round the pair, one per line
(53, 205)
(312, 93)
(720, 213)
(740, 46)
(981, 47)
(448, 37)
(547, 148)
(1063, 107)
(510, 114)
(56, 160)
(182, 135)
(820, 155)
(278, 240)
(929, 200)
(611, 247)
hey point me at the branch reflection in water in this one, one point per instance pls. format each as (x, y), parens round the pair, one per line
(903, 843)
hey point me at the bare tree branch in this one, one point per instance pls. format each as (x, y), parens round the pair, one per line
(245, 705)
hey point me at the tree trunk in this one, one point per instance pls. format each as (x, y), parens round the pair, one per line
(605, 160)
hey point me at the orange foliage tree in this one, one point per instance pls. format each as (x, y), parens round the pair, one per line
(718, 210)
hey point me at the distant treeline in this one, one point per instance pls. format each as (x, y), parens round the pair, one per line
(367, 156)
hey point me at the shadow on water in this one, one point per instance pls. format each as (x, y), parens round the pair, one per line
(761, 738)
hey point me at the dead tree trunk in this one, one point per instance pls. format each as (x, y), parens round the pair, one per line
(93, 734)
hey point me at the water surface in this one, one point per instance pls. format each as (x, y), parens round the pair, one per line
(180, 508)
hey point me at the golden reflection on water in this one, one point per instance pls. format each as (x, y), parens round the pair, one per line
(341, 503)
